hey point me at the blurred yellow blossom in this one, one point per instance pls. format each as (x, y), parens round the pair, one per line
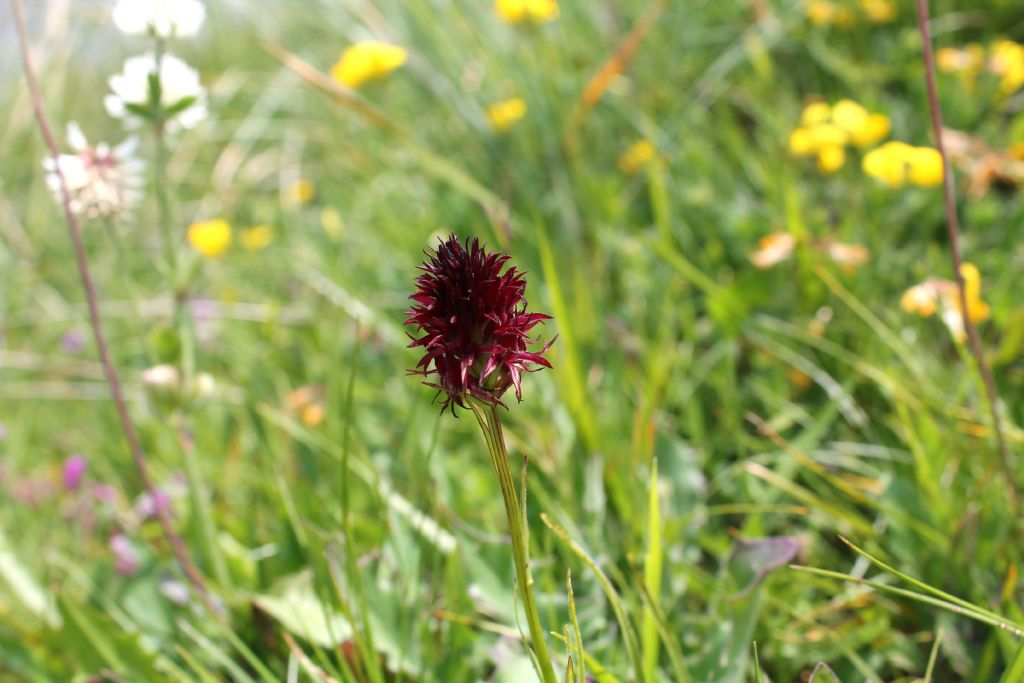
(256, 238)
(814, 113)
(826, 129)
(514, 11)
(210, 238)
(331, 221)
(970, 59)
(367, 61)
(831, 158)
(638, 155)
(1006, 60)
(849, 257)
(934, 294)
(841, 14)
(896, 163)
(820, 12)
(924, 166)
(878, 11)
(302, 191)
(863, 127)
(773, 249)
(505, 114)
(308, 403)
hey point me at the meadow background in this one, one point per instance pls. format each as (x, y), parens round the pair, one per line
(350, 532)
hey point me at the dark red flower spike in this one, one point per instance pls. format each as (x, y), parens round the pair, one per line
(474, 323)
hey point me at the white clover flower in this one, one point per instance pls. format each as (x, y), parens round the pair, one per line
(163, 18)
(182, 96)
(102, 181)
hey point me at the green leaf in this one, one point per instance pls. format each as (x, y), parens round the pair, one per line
(823, 674)
(1015, 672)
(94, 642)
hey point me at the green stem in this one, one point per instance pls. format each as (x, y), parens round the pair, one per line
(490, 425)
(199, 500)
(160, 167)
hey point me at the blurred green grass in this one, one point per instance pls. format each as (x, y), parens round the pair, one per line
(671, 346)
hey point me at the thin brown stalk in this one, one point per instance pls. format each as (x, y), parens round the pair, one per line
(109, 371)
(953, 225)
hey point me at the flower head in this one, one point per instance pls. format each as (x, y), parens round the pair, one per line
(162, 18)
(256, 238)
(103, 181)
(302, 191)
(73, 471)
(825, 130)
(210, 238)
(182, 96)
(637, 156)
(895, 163)
(935, 294)
(515, 11)
(505, 114)
(773, 249)
(367, 61)
(474, 322)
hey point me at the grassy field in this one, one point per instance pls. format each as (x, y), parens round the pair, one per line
(740, 379)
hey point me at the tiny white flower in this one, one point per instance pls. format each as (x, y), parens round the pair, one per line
(102, 181)
(178, 82)
(164, 18)
(161, 376)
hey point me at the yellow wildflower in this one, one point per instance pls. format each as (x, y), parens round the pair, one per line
(849, 115)
(878, 11)
(772, 249)
(924, 166)
(1007, 62)
(210, 238)
(820, 12)
(831, 158)
(367, 61)
(505, 114)
(919, 299)
(843, 17)
(256, 238)
(302, 191)
(801, 142)
(887, 163)
(872, 129)
(638, 155)
(895, 163)
(514, 11)
(815, 113)
(927, 297)
(332, 223)
(829, 134)
(955, 60)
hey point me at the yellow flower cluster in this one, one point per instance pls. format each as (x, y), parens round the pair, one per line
(212, 238)
(367, 61)
(1005, 60)
(535, 11)
(505, 114)
(933, 294)
(829, 13)
(302, 191)
(637, 156)
(825, 131)
(897, 163)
